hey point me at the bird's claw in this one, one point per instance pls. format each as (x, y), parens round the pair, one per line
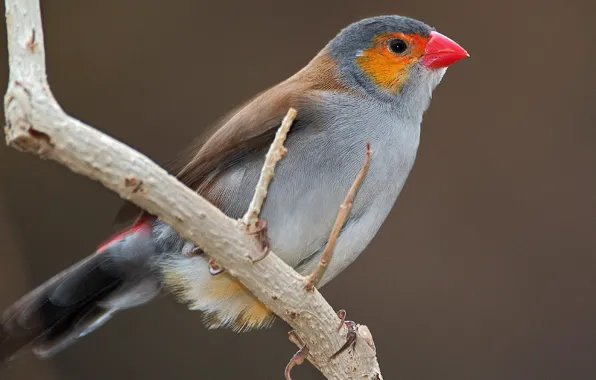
(350, 336)
(214, 268)
(342, 317)
(298, 357)
(261, 234)
(195, 251)
(302, 353)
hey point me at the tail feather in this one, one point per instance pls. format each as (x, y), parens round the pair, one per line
(80, 299)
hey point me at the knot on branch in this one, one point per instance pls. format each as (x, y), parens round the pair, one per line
(20, 131)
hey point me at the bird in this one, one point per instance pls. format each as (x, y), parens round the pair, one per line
(371, 83)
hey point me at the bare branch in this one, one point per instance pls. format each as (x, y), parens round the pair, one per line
(342, 215)
(37, 124)
(252, 224)
(275, 153)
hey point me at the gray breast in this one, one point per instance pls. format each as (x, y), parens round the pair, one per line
(310, 182)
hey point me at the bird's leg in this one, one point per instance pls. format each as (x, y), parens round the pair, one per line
(350, 336)
(261, 234)
(214, 268)
(298, 357)
(344, 210)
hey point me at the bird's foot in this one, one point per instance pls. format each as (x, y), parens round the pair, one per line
(196, 251)
(350, 336)
(214, 268)
(261, 233)
(298, 357)
(302, 353)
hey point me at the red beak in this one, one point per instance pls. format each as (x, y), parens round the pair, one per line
(442, 51)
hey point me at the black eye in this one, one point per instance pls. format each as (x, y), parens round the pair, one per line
(397, 46)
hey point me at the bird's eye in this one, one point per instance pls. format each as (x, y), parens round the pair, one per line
(397, 45)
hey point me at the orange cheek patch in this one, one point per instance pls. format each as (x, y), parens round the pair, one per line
(386, 69)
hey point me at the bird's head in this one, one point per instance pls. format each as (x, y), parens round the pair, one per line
(393, 57)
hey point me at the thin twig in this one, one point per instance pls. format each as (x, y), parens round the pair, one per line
(342, 215)
(275, 153)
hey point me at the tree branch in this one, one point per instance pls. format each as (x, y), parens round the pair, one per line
(274, 154)
(342, 215)
(37, 124)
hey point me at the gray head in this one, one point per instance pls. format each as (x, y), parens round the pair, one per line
(394, 58)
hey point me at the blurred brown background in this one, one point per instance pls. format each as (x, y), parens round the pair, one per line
(486, 269)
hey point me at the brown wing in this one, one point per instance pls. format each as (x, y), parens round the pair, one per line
(199, 164)
(250, 127)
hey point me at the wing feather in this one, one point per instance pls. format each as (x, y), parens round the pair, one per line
(249, 128)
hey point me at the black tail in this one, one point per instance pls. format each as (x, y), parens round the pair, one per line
(80, 299)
